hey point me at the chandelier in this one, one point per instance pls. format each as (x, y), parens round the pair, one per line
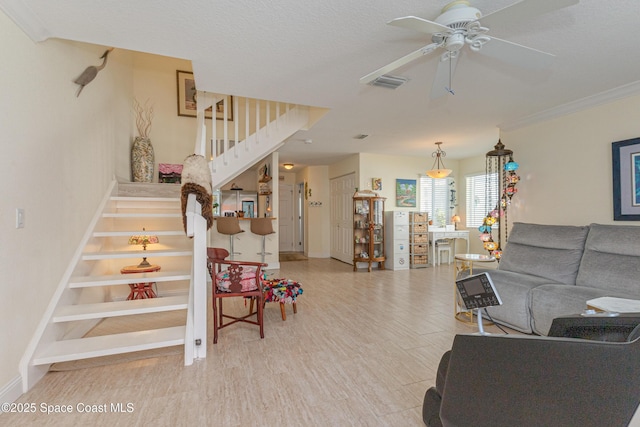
(499, 164)
(438, 170)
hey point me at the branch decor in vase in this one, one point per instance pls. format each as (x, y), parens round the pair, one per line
(142, 156)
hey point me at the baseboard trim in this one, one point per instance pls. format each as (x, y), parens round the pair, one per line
(318, 255)
(11, 391)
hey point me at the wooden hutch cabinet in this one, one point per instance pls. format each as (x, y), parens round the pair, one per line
(368, 229)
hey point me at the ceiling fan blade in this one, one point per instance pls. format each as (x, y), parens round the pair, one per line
(517, 54)
(442, 82)
(399, 63)
(418, 24)
(524, 9)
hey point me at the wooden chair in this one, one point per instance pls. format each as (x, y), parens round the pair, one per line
(238, 279)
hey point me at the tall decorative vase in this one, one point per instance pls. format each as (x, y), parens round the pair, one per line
(142, 160)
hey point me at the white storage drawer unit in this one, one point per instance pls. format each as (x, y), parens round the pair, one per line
(397, 240)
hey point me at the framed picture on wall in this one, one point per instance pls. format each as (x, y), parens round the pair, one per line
(406, 193)
(626, 179)
(376, 184)
(188, 99)
(247, 208)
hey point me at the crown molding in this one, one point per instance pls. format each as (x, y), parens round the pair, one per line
(574, 106)
(22, 15)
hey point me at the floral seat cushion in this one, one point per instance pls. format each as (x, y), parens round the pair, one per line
(281, 290)
(247, 280)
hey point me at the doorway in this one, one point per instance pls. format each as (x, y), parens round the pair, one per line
(299, 237)
(286, 213)
(341, 217)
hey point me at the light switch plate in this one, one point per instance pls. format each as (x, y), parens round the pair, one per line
(19, 218)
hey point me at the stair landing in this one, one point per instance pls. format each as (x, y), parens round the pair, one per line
(148, 189)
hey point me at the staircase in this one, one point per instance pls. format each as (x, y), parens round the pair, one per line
(259, 129)
(93, 289)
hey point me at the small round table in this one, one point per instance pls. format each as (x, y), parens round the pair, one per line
(140, 290)
(466, 263)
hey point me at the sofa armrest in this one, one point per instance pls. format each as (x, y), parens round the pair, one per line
(534, 381)
(614, 329)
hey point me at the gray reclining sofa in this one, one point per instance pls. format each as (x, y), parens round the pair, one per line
(548, 271)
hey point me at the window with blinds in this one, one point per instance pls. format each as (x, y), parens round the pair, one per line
(434, 199)
(482, 197)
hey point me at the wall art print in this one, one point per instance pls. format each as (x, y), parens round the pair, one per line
(626, 179)
(187, 99)
(376, 184)
(406, 193)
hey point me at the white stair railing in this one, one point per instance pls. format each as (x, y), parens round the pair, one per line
(196, 330)
(235, 146)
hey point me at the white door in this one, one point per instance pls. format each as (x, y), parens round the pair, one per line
(285, 217)
(341, 217)
(298, 217)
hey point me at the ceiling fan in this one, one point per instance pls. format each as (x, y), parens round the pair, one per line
(461, 24)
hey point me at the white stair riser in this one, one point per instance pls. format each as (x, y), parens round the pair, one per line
(129, 254)
(79, 282)
(84, 348)
(120, 308)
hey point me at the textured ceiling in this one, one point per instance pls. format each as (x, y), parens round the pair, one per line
(313, 53)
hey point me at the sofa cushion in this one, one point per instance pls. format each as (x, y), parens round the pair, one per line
(611, 260)
(551, 301)
(514, 290)
(549, 251)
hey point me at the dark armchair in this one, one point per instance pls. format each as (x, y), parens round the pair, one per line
(521, 380)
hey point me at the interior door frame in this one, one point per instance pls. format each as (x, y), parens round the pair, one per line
(299, 220)
(287, 218)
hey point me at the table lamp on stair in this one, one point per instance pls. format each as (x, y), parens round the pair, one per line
(144, 240)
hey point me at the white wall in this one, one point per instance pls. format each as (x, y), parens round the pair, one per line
(317, 219)
(58, 156)
(390, 168)
(565, 164)
(173, 137)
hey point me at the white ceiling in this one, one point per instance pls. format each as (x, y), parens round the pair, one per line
(314, 53)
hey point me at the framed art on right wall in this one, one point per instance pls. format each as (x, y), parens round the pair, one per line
(625, 157)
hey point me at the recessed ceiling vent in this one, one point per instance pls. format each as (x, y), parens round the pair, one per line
(388, 81)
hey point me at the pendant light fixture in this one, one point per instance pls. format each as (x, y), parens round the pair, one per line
(438, 169)
(501, 179)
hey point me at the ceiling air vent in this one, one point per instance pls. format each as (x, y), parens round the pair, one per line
(388, 81)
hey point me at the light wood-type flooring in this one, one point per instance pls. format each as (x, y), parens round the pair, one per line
(361, 351)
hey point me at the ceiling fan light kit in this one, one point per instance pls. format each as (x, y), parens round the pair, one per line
(459, 25)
